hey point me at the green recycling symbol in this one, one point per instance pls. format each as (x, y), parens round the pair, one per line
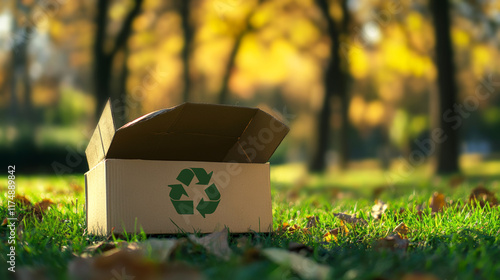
(186, 207)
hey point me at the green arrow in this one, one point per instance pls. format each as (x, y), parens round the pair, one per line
(177, 191)
(185, 177)
(203, 177)
(183, 206)
(207, 207)
(212, 192)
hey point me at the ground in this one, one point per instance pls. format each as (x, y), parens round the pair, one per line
(428, 228)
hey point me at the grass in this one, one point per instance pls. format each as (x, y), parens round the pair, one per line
(461, 242)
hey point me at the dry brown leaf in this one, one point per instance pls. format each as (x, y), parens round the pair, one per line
(312, 221)
(402, 229)
(331, 235)
(101, 246)
(378, 209)
(5, 221)
(483, 197)
(350, 218)
(392, 242)
(215, 243)
(286, 227)
(436, 202)
(304, 267)
(345, 230)
(114, 264)
(22, 200)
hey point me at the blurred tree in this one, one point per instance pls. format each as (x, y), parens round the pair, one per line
(224, 94)
(447, 152)
(188, 33)
(334, 84)
(20, 79)
(104, 56)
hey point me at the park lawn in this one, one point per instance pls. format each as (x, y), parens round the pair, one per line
(461, 241)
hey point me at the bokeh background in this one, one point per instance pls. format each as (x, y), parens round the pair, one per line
(360, 82)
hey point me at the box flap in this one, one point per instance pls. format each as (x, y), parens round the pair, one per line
(189, 132)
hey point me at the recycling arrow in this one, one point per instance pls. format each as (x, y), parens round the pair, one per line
(203, 177)
(207, 207)
(177, 191)
(184, 179)
(212, 192)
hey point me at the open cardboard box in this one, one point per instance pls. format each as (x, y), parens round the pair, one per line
(193, 167)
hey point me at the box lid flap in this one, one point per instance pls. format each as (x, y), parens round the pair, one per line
(189, 132)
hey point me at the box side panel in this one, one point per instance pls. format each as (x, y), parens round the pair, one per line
(95, 194)
(154, 197)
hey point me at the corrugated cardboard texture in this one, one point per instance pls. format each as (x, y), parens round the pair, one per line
(96, 199)
(190, 132)
(101, 138)
(138, 196)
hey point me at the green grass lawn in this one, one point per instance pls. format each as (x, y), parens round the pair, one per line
(460, 242)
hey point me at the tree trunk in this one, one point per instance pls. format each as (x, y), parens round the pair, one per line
(343, 94)
(103, 61)
(186, 49)
(224, 94)
(331, 78)
(20, 79)
(447, 152)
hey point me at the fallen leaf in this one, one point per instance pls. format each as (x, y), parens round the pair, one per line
(392, 242)
(285, 227)
(350, 218)
(378, 209)
(345, 230)
(312, 221)
(215, 243)
(402, 229)
(114, 264)
(4, 222)
(304, 267)
(331, 235)
(483, 196)
(436, 202)
(22, 200)
(99, 247)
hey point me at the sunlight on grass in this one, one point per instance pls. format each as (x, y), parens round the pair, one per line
(457, 232)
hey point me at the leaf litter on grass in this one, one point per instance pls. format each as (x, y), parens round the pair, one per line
(158, 257)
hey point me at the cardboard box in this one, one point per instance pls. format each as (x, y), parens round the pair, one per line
(190, 168)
